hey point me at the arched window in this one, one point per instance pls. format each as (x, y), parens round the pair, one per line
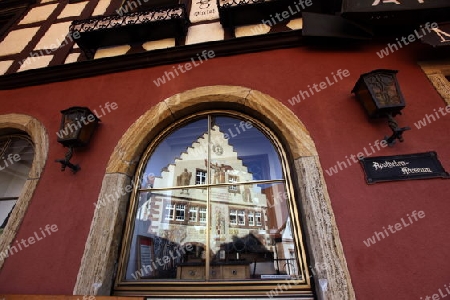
(16, 158)
(213, 213)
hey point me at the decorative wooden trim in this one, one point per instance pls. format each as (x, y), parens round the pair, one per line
(438, 72)
(64, 297)
(113, 6)
(39, 136)
(42, 29)
(60, 55)
(148, 59)
(131, 28)
(325, 248)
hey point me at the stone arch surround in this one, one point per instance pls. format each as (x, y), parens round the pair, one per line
(36, 131)
(95, 276)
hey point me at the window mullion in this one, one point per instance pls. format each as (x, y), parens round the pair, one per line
(208, 203)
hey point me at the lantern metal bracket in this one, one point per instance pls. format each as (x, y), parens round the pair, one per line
(397, 132)
(66, 162)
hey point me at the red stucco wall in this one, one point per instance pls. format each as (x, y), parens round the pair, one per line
(409, 264)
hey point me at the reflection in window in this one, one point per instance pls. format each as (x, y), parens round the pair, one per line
(233, 188)
(233, 217)
(258, 219)
(169, 211)
(241, 217)
(16, 157)
(193, 214)
(251, 219)
(228, 228)
(202, 214)
(180, 212)
(200, 177)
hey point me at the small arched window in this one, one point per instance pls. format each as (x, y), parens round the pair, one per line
(213, 213)
(16, 158)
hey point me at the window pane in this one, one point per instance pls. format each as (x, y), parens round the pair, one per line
(251, 234)
(16, 158)
(187, 144)
(169, 236)
(239, 141)
(200, 176)
(194, 214)
(5, 209)
(15, 163)
(180, 159)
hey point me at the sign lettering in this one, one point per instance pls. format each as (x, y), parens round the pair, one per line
(403, 167)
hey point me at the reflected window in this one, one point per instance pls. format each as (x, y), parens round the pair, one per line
(233, 188)
(16, 158)
(233, 217)
(200, 176)
(169, 211)
(241, 217)
(180, 212)
(193, 214)
(202, 213)
(251, 219)
(212, 215)
(258, 219)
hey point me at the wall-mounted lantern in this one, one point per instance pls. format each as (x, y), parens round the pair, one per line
(379, 93)
(77, 126)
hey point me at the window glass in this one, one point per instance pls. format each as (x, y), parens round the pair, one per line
(212, 205)
(16, 157)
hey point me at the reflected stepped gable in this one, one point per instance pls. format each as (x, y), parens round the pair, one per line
(180, 215)
(194, 158)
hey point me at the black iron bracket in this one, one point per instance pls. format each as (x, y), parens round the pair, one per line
(397, 132)
(66, 162)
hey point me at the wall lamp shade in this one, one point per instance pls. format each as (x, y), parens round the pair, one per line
(76, 129)
(379, 93)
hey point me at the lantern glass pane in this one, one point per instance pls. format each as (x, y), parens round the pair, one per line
(71, 126)
(367, 102)
(86, 132)
(77, 127)
(384, 89)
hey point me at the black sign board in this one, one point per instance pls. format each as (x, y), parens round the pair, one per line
(402, 167)
(396, 12)
(391, 5)
(439, 36)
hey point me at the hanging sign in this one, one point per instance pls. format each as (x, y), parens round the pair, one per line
(403, 167)
(203, 10)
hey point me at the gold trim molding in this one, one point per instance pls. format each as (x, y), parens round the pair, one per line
(39, 136)
(95, 276)
(437, 72)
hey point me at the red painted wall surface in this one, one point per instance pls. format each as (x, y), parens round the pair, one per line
(409, 264)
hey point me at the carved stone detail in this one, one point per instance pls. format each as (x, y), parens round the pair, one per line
(436, 72)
